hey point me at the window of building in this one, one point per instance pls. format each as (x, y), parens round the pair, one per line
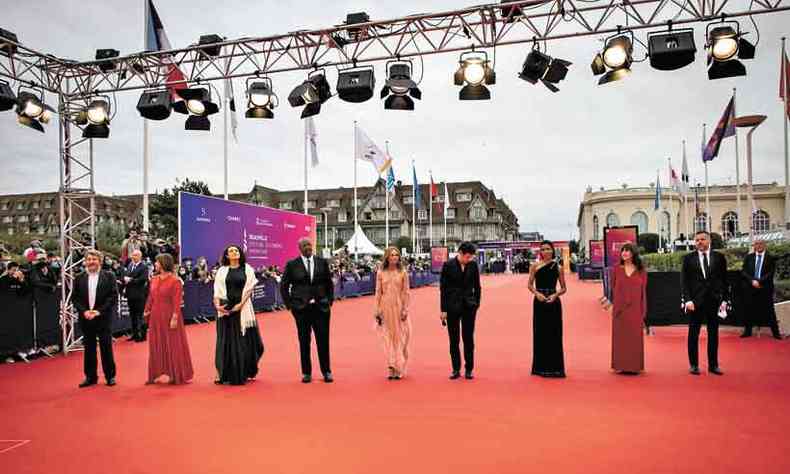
(368, 216)
(666, 226)
(478, 213)
(49, 204)
(701, 222)
(20, 206)
(422, 214)
(10, 231)
(463, 197)
(394, 214)
(285, 205)
(408, 199)
(729, 225)
(451, 213)
(311, 204)
(612, 220)
(342, 217)
(639, 219)
(5, 206)
(319, 218)
(596, 228)
(761, 221)
(8, 220)
(333, 203)
(36, 204)
(21, 218)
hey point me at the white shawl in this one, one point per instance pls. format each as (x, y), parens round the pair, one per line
(221, 292)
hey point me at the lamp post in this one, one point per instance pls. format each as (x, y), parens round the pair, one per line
(751, 122)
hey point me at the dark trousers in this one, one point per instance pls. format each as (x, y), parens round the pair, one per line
(706, 314)
(312, 319)
(761, 305)
(462, 324)
(136, 308)
(90, 332)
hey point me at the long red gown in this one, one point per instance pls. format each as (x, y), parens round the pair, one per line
(168, 348)
(628, 313)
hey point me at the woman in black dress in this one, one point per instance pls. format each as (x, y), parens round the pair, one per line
(547, 355)
(239, 344)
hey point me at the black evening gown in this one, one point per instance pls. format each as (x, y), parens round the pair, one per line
(547, 355)
(237, 356)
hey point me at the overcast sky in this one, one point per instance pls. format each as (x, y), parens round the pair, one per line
(536, 149)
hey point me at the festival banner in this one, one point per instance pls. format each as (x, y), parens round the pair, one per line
(439, 255)
(614, 238)
(268, 236)
(596, 253)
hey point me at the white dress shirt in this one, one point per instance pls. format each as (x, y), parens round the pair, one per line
(93, 283)
(309, 266)
(702, 262)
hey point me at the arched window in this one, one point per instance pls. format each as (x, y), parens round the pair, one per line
(701, 222)
(596, 230)
(666, 226)
(612, 220)
(639, 219)
(761, 221)
(729, 225)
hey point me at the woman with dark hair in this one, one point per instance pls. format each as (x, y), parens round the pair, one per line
(629, 308)
(392, 312)
(548, 359)
(239, 345)
(168, 350)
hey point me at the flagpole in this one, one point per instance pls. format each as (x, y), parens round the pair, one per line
(707, 185)
(305, 165)
(685, 183)
(785, 119)
(225, 142)
(671, 214)
(430, 211)
(146, 163)
(355, 190)
(657, 208)
(387, 202)
(446, 204)
(413, 212)
(737, 167)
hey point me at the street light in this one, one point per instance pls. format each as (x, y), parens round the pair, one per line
(751, 122)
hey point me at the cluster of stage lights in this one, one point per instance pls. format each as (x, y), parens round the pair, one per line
(667, 50)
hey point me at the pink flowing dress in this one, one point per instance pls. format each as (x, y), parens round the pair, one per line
(168, 348)
(392, 299)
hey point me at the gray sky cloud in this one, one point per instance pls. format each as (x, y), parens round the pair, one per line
(537, 149)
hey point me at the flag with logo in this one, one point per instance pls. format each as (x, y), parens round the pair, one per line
(156, 40)
(311, 136)
(725, 128)
(390, 180)
(368, 151)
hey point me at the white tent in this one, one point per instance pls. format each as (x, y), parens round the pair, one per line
(364, 245)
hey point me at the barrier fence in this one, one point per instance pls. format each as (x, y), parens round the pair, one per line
(31, 319)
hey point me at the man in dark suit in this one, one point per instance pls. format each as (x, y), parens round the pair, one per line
(460, 299)
(704, 285)
(758, 274)
(308, 292)
(95, 298)
(135, 283)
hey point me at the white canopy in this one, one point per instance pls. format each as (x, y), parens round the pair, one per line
(364, 245)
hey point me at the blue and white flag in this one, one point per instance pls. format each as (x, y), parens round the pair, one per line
(390, 180)
(658, 192)
(417, 197)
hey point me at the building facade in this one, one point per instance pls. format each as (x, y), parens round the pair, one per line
(636, 206)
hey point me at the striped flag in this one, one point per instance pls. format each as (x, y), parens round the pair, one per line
(725, 128)
(390, 180)
(156, 40)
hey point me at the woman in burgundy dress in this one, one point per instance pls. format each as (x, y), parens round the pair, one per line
(629, 308)
(167, 339)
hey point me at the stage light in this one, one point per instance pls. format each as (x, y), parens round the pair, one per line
(512, 13)
(8, 42)
(99, 112)
(32, 111)
(7, 96)
(155, 105)
(261, 99)
(97, 116)
(542, 67)
(724, 42)
(106, 66)
(617, 56)
(475, 71)
(311, 94)
(214, 49)
(198, 105)
(671, 50)
(356, 19)
(399, 86)
(356, 85)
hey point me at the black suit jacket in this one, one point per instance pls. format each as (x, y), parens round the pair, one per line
(766, 274)
(296, 289)
(704, 292)
(106, 297)
(137, 288)
(460, 290)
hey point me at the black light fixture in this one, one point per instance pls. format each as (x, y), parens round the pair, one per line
(155, 104)
(7, 96)
(399, 86)
(356, 85)
(198, 105)
(510, 13)
(211, 48)
(106, 54)
(8, 42)
(261, 99)
(616, 57)
(97, 115)
(725, 42)
(356, 19)
(31, 110)
(541, 67)
(474, 73)
(311, 93)
(672, 49)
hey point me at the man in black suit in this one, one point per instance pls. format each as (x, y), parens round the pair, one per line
(135, 283)
(95, 298)
(460, 299)
(704, 284)
(758, 274)
(308, 292)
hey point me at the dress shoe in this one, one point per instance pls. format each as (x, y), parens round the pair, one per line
(778, 336)
(468, 375)
(745, 335)
(307, 378)
(694, 370)
(111, 382)
(716, 371)
(328, 377)
(87, 383)
(455, 375)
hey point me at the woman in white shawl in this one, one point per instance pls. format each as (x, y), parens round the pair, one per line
(239, 344)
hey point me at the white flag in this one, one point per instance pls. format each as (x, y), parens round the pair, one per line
(370, 152)
(312, 139)
(231, 102)
(684, 177)
(446, 199)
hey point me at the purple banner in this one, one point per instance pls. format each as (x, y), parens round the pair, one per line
(268, 236)
(596, 253)
(439, 255)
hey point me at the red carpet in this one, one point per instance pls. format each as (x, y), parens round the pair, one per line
(503, 422)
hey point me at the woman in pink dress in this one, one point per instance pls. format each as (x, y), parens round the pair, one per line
(629, 309)
(392, 312)
(167, 339)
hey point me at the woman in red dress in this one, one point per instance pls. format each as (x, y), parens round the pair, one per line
(167, 339)
(629, 309)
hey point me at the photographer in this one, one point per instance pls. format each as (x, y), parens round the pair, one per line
(12, 279)
(42, 277)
